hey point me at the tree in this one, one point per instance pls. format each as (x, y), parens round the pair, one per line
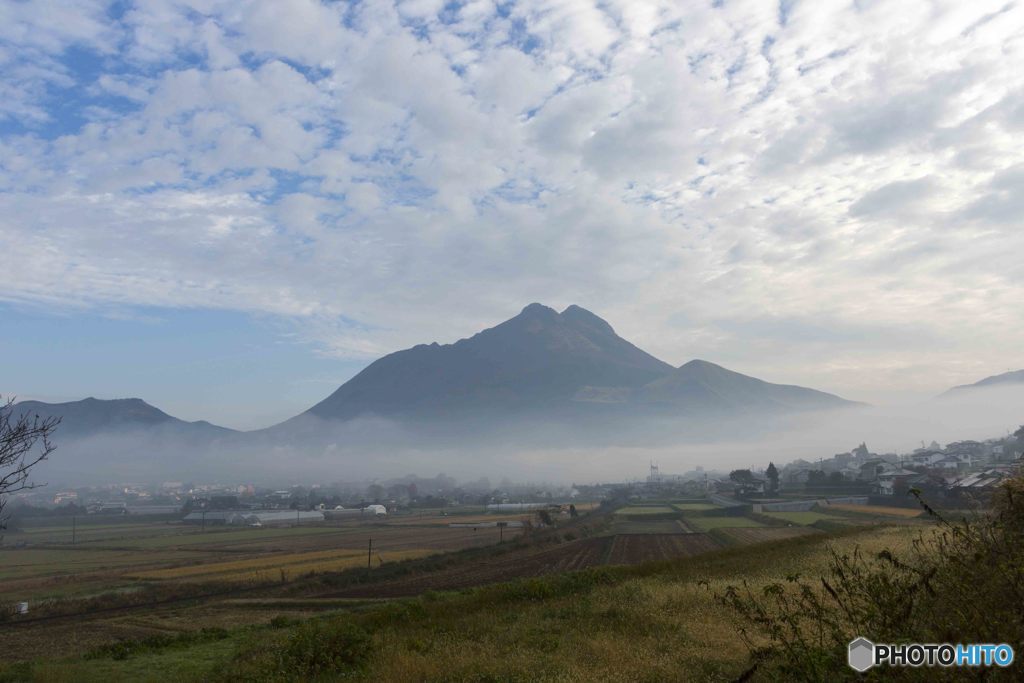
(24, 443)
(835, 479)
(816, 478)
(1019, 433)
(741, 476)
(773, 477)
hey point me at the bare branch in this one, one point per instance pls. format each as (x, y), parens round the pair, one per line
(24, 443)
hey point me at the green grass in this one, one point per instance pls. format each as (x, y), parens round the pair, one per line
(709, 523)
(694, 507)
(236, 536)
(179, 664)
(802, 518)
(645, 510)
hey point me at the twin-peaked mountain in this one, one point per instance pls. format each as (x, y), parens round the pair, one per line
(541, 364)
(546, 362)
(537, 360)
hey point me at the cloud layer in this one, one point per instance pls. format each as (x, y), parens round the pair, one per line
(815, 192)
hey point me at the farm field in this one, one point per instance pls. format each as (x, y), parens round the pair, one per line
(640, 548)
(646, 526)
(439, 520)
(645, 510)
(694, 507)
(42, 564)
(86, 532)
(619, 625)
(709, 523)
(805, 518)
(284, 565)
(289, 570)
(767, 534)
(908, 513)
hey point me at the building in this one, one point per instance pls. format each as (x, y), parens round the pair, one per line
(979, 484)
(357, 513)
(656, 477)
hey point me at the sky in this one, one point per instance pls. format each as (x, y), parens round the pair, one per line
(229, 208)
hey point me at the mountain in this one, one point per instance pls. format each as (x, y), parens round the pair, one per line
(1015, 377)
(556, 365)
(95, 416)
(540, 364)
(536, 361)
(702, 387)
(536, 381)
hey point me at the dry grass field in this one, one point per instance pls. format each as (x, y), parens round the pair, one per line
(279, 565)
(709, 523)
(908, 513)
(574, 635)
(768, 534)
(651, 622)
(42, 565)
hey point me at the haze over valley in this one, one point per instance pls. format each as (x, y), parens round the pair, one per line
(548, 394)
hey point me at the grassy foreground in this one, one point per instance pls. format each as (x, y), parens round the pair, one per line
(654, 622)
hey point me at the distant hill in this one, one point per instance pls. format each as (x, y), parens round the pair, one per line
(555, 364)
(95, 416)
(1007, 378)
(700, 386)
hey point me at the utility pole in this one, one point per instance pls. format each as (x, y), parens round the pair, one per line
(369, 553)
(74, 528)
(204, 521)
(296, 516)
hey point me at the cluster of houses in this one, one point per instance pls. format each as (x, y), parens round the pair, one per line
(961, 467)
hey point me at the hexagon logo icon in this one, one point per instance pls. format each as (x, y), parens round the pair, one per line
(861, 656)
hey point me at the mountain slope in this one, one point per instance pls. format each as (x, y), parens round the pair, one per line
(554, 364)
(700, 386)
(536, 360)
(1007, 378)
(94, 416)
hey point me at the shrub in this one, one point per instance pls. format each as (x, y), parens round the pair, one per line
(124, 649)
(327, 649)
(962, 582)
(319, 647)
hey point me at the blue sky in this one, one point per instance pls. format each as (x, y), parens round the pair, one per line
(194, 364)
(227, 208)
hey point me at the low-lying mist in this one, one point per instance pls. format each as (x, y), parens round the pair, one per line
(554, 450)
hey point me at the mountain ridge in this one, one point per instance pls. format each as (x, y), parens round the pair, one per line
(1011, 377)
(93, 415)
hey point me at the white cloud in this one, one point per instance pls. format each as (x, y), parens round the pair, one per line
(426, 170)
